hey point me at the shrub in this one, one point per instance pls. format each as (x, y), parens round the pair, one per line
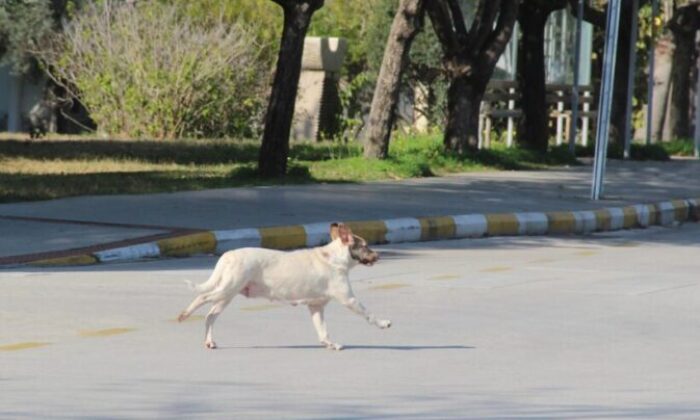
(149, 71)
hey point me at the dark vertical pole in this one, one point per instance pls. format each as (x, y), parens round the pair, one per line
(650, 81)
(630, 78)
(574, 88)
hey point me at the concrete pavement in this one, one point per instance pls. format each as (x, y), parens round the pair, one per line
(71, 231)
(604, 326)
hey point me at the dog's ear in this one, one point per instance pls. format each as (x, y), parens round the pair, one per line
(345, 234)
(334, 231)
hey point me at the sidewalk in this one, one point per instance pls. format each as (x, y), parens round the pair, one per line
(65, 231)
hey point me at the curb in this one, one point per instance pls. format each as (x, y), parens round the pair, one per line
(399, 230)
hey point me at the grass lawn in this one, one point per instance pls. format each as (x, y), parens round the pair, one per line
(62, 167)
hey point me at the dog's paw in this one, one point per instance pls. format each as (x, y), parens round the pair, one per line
(210, 345)
(183, 316)
(332, 346)
(384, 323)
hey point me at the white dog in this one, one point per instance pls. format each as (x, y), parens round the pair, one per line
(310, 277)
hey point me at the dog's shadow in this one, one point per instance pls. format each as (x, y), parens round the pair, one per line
(351, 347)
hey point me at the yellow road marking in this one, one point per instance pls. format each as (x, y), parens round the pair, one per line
(389, 286)
(23, 346)
(496, 269)
(107, 332)
(189, 319)
(542, 260)
(445, 277)
(263, 307)
(586, 253)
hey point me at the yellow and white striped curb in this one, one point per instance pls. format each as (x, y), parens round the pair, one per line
(406, 229)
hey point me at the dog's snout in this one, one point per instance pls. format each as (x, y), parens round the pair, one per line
(371, 258)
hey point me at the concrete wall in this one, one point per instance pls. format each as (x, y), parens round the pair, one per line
(17, 96)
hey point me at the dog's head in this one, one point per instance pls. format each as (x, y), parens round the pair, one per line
(358, 248)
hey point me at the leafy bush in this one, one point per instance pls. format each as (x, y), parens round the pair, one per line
(148, 71)
(615, 151)
(679, 147)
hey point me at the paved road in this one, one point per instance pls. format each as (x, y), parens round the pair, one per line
(603, 326)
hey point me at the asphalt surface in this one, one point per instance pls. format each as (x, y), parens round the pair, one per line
(65, 224)
(603, 326)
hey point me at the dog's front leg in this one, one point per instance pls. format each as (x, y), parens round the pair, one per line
(320, 325)
(351, 302)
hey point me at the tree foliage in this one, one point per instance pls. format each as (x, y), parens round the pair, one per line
(24, 25)
(146, 71)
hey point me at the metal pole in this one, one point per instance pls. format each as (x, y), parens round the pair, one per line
(630, 78)
(650, 82)
(697, 105)
(574, 88)
(612, 28)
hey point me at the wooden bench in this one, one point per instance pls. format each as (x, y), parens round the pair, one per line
(499, 103)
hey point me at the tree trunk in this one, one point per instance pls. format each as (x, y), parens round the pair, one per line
(663, 57)
(618, 112)
(470, 58)
(532, 130)
(274, 151)
(463, 102)
(407, 22)
(683, 26)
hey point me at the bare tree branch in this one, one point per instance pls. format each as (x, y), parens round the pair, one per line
(484, 20)
(499, 38)
(458, 20)
(439, 14)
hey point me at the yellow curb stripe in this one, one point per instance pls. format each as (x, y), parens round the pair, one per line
(372, 231)
(436, 227)
(23, 346)
(654, 213)
(182, 246)
(84, 259)
(681, 210)
(283, 237)
(561, 222)
(502, 224)
(629, 217)
(107, 332)
(603, 219)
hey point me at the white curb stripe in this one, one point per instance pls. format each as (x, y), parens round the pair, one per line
(617, 218)
(406, 229)
(532, 223)
(643, 215)
(667, 213)
(237, 238)
(132, 252)
(470, 225)
(317, 234)
(585, 221)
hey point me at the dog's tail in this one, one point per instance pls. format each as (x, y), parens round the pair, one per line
(208, 285)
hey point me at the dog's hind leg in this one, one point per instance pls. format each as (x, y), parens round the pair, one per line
(211, 318)
(320, 324)
(196, 303)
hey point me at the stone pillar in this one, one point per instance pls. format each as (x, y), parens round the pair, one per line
(318, 104)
